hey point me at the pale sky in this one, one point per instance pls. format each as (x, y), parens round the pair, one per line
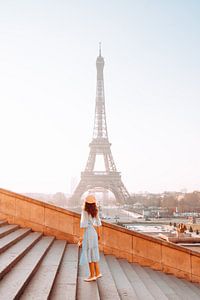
(48, 51)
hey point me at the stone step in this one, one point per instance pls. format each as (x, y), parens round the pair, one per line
(195, 288)
(197, 284)
(66, 280)
(125, 289)
(150, 284)
(13, 283)
(185, 289)
(42, 282)
(106, 284)
(86, 290)
(3, 222)
(137, 283)
(6, 229)
(171, 282)
(36, 267)
(12, 255)
(167, 290)
(12, 238)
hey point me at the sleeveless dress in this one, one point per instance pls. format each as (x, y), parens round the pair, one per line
(90, 248)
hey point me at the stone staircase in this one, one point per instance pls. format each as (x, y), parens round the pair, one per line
(33, 266)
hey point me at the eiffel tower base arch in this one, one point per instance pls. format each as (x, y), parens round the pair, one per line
(111, 182)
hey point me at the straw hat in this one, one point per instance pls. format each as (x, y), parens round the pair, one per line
(90, 199)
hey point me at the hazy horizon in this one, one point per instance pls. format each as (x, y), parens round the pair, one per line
(48, 84)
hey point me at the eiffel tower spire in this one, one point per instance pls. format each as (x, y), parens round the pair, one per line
(110, 178)
(100, 144)
(100, 49)
(100, 126)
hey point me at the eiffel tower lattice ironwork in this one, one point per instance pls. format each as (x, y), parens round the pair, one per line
(110, 179)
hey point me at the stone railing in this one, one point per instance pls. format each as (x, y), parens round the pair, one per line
(121, 242)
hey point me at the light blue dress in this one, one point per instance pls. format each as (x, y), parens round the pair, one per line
(90, 248)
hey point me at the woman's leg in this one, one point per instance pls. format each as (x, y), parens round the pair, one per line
(97, 269)
(92, 273)
(92, 269)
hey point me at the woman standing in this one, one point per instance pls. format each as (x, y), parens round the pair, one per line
(90, 234)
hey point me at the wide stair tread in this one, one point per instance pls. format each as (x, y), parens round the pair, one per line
(197, 285)
(12, 238)
(106, 284)
(14, 282)
(4, 230)
(172, 282)
(86, 290)
(10, 257)
(122, 283)
(186, 290)
(42, 282)
(161, 282)
(194, 287)
(135, 280)
(150, 284)
(66, 280)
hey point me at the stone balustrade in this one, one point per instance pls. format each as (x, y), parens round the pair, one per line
(121, 242)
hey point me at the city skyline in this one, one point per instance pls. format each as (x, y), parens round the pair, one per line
(47, 99)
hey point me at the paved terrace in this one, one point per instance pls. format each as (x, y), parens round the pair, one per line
(39, 258)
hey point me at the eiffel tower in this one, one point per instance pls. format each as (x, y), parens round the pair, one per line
(110, 179)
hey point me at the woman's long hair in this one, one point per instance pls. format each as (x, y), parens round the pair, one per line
(91, 209)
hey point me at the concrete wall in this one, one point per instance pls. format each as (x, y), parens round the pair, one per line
(123, 243)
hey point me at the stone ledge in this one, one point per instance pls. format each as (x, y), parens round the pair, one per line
(37, 202)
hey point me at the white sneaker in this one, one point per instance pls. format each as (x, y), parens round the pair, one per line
(98, 276)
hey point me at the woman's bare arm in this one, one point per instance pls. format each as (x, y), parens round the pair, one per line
(98, 231)
(82, 230)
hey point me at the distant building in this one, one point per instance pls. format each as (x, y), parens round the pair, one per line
(156, 212)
